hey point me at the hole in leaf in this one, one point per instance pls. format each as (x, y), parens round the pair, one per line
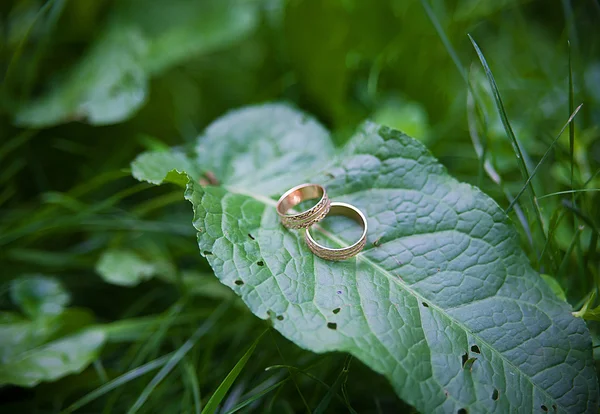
(239, 282)
(376, 243)
(554, 407)
(495, 395)
(425, 304)
(252, 237)
(260, 263)
(279, 317)
(339, 292)
(475, 349)
(468, 364)
(330, 175)
(462, 411)
(332, 325)
(207, 253)
(336, 310)
(544, 407)
(465, 358)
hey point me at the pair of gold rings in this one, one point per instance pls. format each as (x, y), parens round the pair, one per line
(323, 208)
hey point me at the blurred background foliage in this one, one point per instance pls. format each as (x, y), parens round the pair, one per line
(100, 275)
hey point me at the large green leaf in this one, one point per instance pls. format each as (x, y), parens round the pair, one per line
(124, 267)
(39, 295)
(442, 301)
(54, 360)
(52, 341)
(110, 83)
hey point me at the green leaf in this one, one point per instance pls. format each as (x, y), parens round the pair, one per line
(124, 267)
(441, 281)
(19, 334)
(221, 391)
(54, 360)
(586, 312)
(110, 83)
(158, 166)
(257, 154)
(39, 295)
(555, 286)
(264, 149)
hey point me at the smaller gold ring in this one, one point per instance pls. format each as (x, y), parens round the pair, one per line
(295, 196)
(340, 209)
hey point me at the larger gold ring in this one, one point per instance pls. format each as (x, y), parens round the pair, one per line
(295, 196)
(340, 209)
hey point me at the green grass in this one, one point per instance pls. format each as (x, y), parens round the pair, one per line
(490, 111)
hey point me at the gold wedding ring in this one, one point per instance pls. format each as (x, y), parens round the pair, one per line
(295, 196)
(340, 209)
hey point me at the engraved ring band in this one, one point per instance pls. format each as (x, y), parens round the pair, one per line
(295, 196)
(340, 209)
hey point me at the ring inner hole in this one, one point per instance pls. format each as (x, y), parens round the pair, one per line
(341, 223)
(301, 200)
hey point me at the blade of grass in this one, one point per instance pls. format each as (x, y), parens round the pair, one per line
(558, 216)
(592, 252)
(177, 356)
(588, 302)
(16, 141)
(164, 322)
(490, 170)
(309, 375)
(117, 382)
(50, 4)
(221, 391)
(582, 190)
(581, 215)
(509, 131)
(99, 368)
(463, 73)
(555, 220)
(479, 145)
(291, 375)
(194, 384)
(335, 387)
(571, 125)
(257, 396)
(546, 154)
(563, 266)
(569, 20)
(300, 371)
